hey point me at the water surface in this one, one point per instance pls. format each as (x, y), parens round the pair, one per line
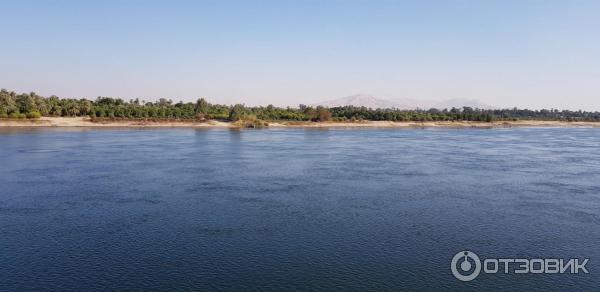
(304, 209)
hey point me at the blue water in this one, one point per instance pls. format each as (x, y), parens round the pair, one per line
(303, 209)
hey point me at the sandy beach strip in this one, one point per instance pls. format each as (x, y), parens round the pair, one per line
(87, 122)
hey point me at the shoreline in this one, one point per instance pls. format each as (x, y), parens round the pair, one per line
(87, 122)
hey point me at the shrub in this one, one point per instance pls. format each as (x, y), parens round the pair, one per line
(255, 124)
(250, 121)
(16, 115)
(34, 115)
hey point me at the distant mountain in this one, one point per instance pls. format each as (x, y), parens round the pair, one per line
(461, 102)
(359, 100)
(373, 102)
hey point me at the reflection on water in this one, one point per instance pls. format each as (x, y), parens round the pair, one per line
(306, 209)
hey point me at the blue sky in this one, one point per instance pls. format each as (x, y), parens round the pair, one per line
(507, 53)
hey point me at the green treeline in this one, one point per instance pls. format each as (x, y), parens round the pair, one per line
(31, 105)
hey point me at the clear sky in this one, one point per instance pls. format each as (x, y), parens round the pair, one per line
(507, 53)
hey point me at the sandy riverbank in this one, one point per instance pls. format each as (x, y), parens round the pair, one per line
(86, 122)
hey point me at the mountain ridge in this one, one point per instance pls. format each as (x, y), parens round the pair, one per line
(371, 101)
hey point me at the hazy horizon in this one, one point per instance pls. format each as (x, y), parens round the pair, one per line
(528, 54)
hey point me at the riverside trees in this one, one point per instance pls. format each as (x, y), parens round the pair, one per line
(31, 105)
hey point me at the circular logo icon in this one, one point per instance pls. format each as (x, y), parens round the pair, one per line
(465, 266)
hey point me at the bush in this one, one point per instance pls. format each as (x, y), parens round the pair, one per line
(34, 115)
(255, 124)
(250, 121)
(16, 115)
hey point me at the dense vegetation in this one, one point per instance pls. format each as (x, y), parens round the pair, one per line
(31, 105)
